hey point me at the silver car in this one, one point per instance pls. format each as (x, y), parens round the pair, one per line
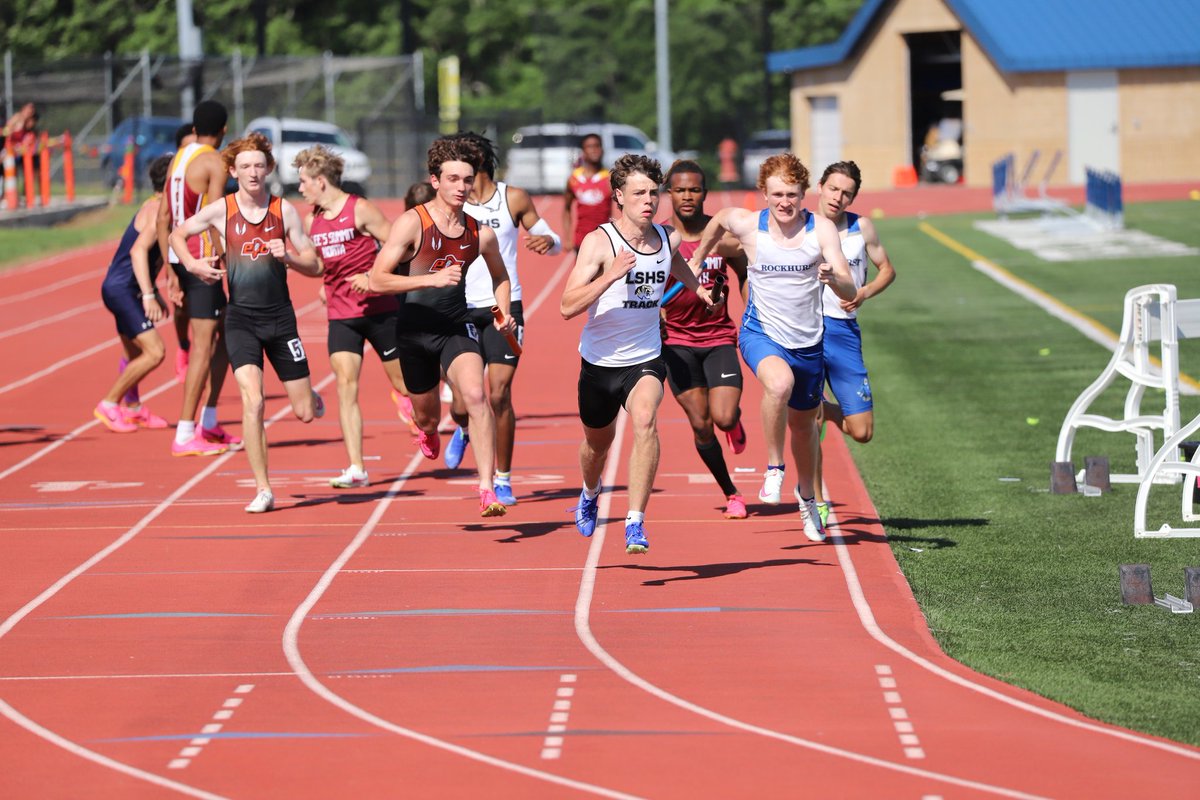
(541, 157)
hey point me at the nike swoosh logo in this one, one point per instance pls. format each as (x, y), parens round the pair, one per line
(664, 258)
(268, 229)
(463, 246)
(343, 219)
(730, 375)
(508, 357)
(389, 352)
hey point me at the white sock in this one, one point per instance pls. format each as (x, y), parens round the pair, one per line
(503, 477)
(635, 516)
(592, 494)
(208, 417)
(185, 431)
(105, 404)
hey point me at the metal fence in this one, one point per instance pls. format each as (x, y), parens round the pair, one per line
(378, 100)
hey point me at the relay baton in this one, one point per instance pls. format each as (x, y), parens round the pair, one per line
(670, 294)
(512, 340)
(718, 287)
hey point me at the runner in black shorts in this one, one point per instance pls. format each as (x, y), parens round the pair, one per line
(603, 391)
(256, 230)
(431, 246)
(700, 344)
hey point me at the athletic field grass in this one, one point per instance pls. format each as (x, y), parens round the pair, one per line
(971, 383)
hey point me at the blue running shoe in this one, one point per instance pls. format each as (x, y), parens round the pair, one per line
(457, 448)
(586, 513)
(504, 494)
(635, 539)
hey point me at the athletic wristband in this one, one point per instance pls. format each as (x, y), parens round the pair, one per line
(540, 228)
(148, 294)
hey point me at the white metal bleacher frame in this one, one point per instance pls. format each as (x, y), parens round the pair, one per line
(1152, 313)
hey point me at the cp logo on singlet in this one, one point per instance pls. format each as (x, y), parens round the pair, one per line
(445, 261)
(255, 248)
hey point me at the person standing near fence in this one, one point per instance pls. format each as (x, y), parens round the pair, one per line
(792, 255)
(700, 343)
(346, 231)
(618, 280)
(255, 231)
(845, 370)
(431, 245)
(505, 209)
(197, 177)
(130, 296)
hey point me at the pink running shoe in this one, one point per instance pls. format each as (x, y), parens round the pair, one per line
(489, 506)
(404, 410)
(221, 436)
(735, 507)
(430, 445)
(113, 419)
(181, 364)
(737, 438)
(143, 417)
(197, 447)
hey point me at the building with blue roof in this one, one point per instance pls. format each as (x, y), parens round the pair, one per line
(1072, 83)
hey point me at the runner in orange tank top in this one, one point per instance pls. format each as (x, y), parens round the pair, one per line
(425, 257)
(255, 231)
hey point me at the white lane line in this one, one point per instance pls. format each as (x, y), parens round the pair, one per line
(51, 287)
(50, 448)
(552, 743)
(43, 321)
(291, 650)
(15, 716)
(583, 630)
(197, 744)
(909, 742)
(103, 249)
(867, 618)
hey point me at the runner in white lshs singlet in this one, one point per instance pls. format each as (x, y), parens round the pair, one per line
(618, 279)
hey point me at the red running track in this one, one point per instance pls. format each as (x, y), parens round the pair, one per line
(157, 641)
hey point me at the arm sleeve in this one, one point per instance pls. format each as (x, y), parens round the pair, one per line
(540, 228)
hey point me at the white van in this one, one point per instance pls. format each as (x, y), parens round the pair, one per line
(289, 136)
(541, 157)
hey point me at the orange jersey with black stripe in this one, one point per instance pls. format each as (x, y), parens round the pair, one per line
(444, 308)
(257, 279)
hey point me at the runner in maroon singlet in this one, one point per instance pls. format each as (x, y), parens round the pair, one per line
(347, 230)
(590, 187)
(700, 350)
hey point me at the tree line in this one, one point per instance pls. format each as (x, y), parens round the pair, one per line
(572, 59)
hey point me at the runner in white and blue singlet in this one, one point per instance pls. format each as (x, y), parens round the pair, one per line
(792, 255)
(845, 369)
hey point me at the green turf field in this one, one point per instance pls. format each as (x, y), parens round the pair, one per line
(1016, 582)
(24, 244)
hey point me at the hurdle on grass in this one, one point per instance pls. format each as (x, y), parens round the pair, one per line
(1147, 356)
(1103, 194)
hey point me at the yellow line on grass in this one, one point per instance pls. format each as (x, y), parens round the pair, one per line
(1032, 292)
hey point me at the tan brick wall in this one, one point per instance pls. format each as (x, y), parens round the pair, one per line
(1018, 113)
(1160, 124)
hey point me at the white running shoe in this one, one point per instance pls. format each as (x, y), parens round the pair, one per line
(810, 515)
(351, 478)
(262, 502)
(772, 483)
